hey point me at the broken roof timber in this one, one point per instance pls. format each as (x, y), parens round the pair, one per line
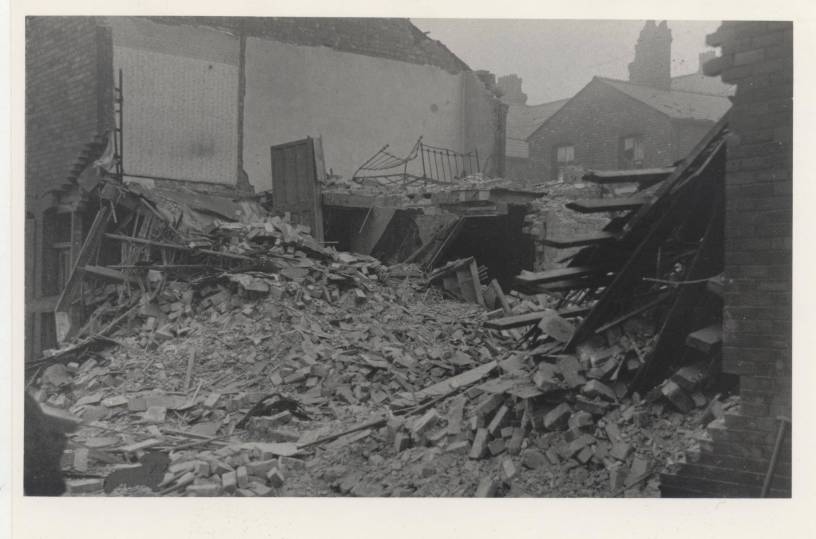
(602, 205)
(499, 196)
(644, 176)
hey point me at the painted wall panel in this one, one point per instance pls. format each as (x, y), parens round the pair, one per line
(356, 103)
(181, 95)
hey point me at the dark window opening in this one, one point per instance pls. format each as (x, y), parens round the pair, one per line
(630, 152)
(563, 159)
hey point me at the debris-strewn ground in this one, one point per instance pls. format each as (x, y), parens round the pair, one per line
(316, 373)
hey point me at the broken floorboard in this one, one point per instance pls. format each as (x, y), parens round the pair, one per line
(523, 320)
(645, 177)
(602, 205)
(560, 274)
(706, 340)
(578, 241)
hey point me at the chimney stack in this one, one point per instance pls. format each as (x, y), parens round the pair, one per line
(510, 86)
(652, 63)
(705, 57)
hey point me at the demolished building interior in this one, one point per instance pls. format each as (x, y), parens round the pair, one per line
(212, 347)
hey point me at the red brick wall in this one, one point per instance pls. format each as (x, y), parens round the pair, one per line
(758, 57)
(595, 119)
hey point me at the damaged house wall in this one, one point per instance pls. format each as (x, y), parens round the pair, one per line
(206, 97)
(68, 93)
(355, 103)
(181, 91)
(757, 331)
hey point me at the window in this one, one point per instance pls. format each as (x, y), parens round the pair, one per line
(563, 158)
(631, 152)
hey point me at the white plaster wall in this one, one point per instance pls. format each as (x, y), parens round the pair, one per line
(181, 100)
(356, 103)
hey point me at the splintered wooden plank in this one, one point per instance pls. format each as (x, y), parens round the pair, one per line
(528, 319)
(67, 320)
(601, 205)
(644, 176)
(715, 285)
(578, 241)
(559, 274)
(706, 340)
(108, 273)
(451, 384)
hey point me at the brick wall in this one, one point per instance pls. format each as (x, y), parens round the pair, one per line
(68, 87)
(396, 39)
(68, 103)
(758, 58)
(594, 120)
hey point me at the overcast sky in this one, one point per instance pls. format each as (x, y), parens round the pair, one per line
(556, 58)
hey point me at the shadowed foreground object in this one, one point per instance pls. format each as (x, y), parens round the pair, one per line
(43, 446)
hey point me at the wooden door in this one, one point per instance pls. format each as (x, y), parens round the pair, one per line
(295, 187)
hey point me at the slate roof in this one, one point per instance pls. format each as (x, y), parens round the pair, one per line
(522, 120)
(701, 84)
(674, 103)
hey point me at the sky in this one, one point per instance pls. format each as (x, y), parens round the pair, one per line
(556, 58)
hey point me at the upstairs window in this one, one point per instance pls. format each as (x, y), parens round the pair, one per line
(630, 154)
(563, 158)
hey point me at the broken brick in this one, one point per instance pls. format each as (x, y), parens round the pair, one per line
(597, 389)
(514, 445)
(498, 420)
(84, 486)
(487, 488)
(425, 422)
(275, 477)
(479, 446)
(496, 446)
(576, 445)
(229, 482)
(401, 442)
(534, 459)
(556, 419)
(242, 476)
(508, 468)
(620, 450)
(462, 447)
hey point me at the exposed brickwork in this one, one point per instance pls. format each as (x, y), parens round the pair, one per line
(396, 39)
(758, 57)
(595, 119)
(652, 63)
(68, 91)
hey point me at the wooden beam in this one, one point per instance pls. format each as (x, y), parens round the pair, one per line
(63, 312)
(528, 319)
(579, 241)
(644, 176)
(706, 340)
(634, 312)
(165, 245)
(477, 284)
(559, 274)
(111, 274)
(494, 284)
(601, 205)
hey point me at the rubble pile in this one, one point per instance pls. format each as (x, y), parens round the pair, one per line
(253, 360)
(304, 371)
(414, 187)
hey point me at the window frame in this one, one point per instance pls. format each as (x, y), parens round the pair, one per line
(558, 167)
(624, 161)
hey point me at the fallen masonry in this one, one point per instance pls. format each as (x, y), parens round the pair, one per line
(240, 357)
